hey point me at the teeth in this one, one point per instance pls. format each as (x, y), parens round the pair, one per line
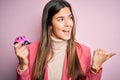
(65, 30)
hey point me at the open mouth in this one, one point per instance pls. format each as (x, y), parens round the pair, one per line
(66, 32)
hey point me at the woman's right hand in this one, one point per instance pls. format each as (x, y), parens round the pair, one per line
(21, 52)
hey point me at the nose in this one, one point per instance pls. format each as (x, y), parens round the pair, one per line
(67, 23)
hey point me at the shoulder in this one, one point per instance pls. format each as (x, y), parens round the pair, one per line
(83, 50)
(84, 55)
(82, 46)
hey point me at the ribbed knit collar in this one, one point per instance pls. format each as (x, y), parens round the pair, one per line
(58, 44)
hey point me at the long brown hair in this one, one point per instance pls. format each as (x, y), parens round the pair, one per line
(74, 66)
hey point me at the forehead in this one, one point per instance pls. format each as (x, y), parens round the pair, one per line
(63, 12)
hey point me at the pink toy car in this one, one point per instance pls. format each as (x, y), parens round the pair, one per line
(22, 39)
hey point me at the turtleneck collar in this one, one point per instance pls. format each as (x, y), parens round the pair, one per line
(58, 44)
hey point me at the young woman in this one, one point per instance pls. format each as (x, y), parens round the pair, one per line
(58, 56)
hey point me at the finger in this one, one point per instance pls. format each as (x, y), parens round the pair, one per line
(23, 52)
(23, 48)
(19, 51)
(110, 55)
(102, 51)
(96, 52)
(18, 45)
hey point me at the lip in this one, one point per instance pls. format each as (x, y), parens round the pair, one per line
(66, 32)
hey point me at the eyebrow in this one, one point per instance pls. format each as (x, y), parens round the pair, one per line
(63, 16)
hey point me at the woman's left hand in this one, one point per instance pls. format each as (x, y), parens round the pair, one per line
(99, 57)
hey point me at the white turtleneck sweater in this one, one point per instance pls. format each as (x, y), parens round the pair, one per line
(55, 65)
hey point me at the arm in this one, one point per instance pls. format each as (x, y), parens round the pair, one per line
(84, 55)
(27, 72)
(24, 75)
(91, 74)
(23, 67)
(95, 70)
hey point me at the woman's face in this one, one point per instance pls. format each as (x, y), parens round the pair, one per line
(62, 24)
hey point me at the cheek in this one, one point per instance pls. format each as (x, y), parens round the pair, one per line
(57, 27)
(56, 30)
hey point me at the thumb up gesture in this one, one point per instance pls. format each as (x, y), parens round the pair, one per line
(99, 57)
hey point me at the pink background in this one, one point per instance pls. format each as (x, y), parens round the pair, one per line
(98, 26)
